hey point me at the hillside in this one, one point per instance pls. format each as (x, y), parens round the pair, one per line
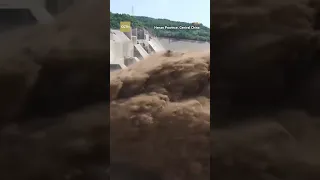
(202, 34)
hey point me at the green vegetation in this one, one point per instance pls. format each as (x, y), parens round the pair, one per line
(202, 34)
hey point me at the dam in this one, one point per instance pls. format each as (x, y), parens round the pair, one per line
(130, 47)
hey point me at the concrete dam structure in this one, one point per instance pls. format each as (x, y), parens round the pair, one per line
(138, 44)
(130, 47)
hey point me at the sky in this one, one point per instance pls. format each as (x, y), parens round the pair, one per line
(175, 10)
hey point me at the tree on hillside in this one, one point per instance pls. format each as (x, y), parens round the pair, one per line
(202, 34)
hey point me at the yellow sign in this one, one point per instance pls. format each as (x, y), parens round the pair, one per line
(125, 26)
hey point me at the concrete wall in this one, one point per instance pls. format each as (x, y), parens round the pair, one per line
(140, 34)
(146, 37)
(117, 52)
(146, 46)
(120, 47)
(128, 34)
(127, 49)
(134, 40)
(137, 54)
(134, 32)
(120, 50)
